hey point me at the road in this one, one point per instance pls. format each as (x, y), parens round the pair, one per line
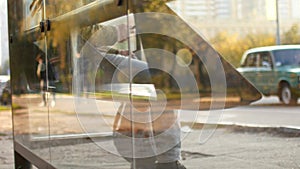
(267, 112)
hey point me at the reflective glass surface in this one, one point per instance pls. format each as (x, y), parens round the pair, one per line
(97, 85)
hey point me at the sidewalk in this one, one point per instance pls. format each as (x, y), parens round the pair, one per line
(230, 147)
(6, 141)
(247, 148)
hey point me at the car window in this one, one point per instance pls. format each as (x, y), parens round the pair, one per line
(251, 60)
(287, 57)
(264, 59)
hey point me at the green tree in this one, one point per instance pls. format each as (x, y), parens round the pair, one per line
(232, 47)
(292, 36)
(153, 6)
(226, 45)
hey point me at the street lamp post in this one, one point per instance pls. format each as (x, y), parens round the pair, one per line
(277, 24)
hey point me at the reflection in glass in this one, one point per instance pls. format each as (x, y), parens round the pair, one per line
(101, 86)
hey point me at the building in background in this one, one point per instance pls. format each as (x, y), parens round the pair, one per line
(239, 16)
(3, 34)
(295, 9)
(204, 8)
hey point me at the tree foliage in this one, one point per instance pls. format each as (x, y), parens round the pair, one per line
(292, 36)
(153, 6)
(232, 47)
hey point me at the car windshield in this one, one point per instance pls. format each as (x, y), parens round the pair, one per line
(287, 57)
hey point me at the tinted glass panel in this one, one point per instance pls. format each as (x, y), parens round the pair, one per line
(99, 85)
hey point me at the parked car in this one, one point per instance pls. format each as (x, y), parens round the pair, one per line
(5, 96)
(274, 70)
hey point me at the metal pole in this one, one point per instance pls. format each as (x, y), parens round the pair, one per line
(277, 24)
(130, 91)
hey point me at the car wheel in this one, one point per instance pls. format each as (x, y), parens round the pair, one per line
(286, 96)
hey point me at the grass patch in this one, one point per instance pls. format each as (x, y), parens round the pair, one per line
(4, 108)
(2, 134)
(9, 107)
(16, 106)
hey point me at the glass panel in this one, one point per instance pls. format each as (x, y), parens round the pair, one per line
(33, 13)
(175, 74)
(59, 7)
(29, 62)
(103, 89)
(88, 65)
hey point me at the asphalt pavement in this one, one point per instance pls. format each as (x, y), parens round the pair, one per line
(6, 140)
(231, 145)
